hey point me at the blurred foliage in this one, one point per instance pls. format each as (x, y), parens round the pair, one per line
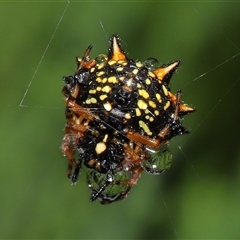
(198, 197)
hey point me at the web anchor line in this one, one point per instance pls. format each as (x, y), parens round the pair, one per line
(43, 55)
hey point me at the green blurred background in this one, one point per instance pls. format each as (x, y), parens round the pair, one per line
(198, 197)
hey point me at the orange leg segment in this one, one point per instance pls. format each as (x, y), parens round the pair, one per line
(77, 126)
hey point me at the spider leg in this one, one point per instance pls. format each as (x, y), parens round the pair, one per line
(134, 154)
(75, 174)
(136, 171)
(67, 148)
(77, 125)
(174, 127)
(97, 193)
(83, 112)
(106, 199)
(142, 139)
(85, 61)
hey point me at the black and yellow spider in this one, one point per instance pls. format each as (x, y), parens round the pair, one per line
(120, 116)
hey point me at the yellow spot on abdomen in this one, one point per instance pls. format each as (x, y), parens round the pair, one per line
(135, 71)
(147, 81)
(151, 119)
(138, 112)
(99, 79)
(92, 91)
(119, 69)
(166, 106)
(165, 90)
(122, 62)
(111, 62)
(141, 104)
(143, 93)
(100, 66)
(91, 100)
(112, 79)
(144, 126)
(151, 74)
(139, 64)
(158, 96)
(127, 115)
(107, 106)
(100, 147)
(122, 78)
(152, 104)
(100, 73)
(102, 97)
(104, 80)
(106, 89)
(156, 112)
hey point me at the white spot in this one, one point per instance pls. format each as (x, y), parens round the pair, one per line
(100, 147)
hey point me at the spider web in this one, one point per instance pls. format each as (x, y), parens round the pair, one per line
(200, 78)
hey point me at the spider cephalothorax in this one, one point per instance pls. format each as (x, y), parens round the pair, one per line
(120, 117)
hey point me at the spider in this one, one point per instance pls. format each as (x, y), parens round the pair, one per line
(120, 116)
